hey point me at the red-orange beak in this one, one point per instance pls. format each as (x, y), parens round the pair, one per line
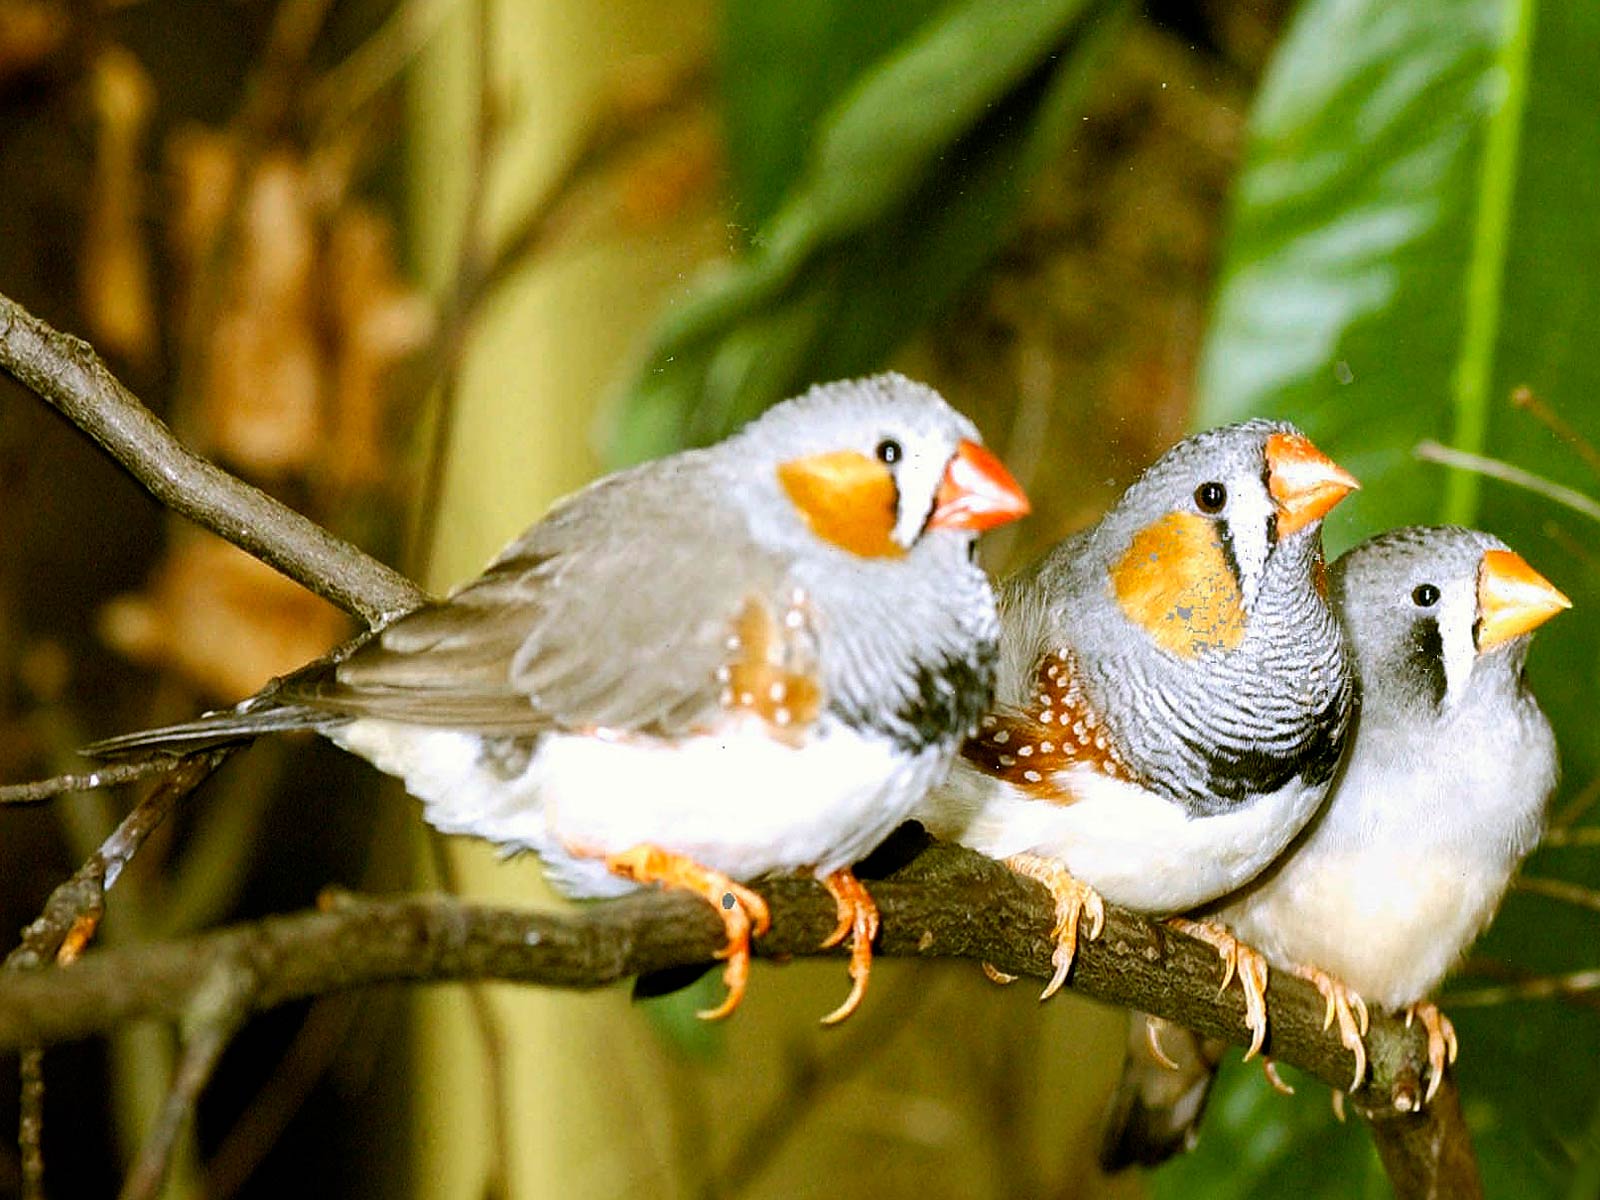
(1513, 598)
(1304, 482)
(977, 493)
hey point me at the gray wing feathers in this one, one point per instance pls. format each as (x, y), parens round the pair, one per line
(614, 611)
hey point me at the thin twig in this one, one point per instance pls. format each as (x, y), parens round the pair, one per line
(30, 1123)
(1527, 399)
(75, 906)
(275, 1103)
(491, 1034)
(1584, 835)
(219, 1007)
(70, 916)
(333, 101)
(1494, 468)
(1539, 987)
(812, 1075)
(1559, 889)
(67, 374)
(106, 776)
(471, 264)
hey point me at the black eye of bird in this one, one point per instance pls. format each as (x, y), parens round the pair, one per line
(1425, 595)
(889, 451)
(1210, 497)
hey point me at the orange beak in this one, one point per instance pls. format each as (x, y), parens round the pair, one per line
(1513, 599)
(977, 493)
(1305, 483)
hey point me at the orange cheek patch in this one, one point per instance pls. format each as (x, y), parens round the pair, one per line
(771, 671)
(847, 499)
(1057, 730)
(1174, 582)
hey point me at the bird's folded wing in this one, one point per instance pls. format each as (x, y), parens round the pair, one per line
(614, 612)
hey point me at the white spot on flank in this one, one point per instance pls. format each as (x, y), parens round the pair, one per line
(746, 698)
(793, 619)
(1047, 717)
(1007, 761)
(781, 716)
(988, 722)
(1047, 747)
(777, 691)
(1001, 738)
(727, 697)
(1032, 776)
(1024, 751)
(733, 642)
(723, 674)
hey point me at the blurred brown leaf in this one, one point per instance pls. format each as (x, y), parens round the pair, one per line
(222, 620)
(30, 32)
(114, 278)
(377, 320)
(259, 409)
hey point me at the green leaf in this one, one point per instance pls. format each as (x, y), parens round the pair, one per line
(906, 182)
(1413, 237)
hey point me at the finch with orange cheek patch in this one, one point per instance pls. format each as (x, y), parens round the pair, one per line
(749, 658)
(1174, 691)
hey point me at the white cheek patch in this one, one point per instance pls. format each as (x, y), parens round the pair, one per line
(1457, 614)
(1249, 514)
(917, 477)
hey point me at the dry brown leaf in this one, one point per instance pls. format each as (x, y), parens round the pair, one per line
(30, 32)
(114, 279)
(377, 321)
(222, 620)
(202, 172)
(259, 410)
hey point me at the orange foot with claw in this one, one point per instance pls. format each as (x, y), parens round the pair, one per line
(1442, 1045)
(858, 917)
(1238, 960)
(743, 912)
(1345, 1004)
(1073, 900)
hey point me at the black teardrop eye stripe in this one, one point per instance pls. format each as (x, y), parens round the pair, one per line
(1424, 662)
(1225, 540)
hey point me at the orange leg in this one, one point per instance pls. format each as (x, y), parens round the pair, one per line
(743, 912)
(1073, 899)
(858, 916)
(1239, 960)
(1442, 1045)
(1345, 1004)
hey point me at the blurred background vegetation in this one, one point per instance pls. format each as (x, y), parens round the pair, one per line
(421, 266)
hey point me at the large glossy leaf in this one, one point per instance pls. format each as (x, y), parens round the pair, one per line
(1414, 237)
(892, 154)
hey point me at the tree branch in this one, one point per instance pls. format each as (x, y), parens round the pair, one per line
(947, 902)
(67, 374)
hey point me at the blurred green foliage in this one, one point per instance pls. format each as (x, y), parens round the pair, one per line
(1414, 237)
(879, 154)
